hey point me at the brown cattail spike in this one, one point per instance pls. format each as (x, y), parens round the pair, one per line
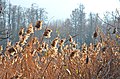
(38, 25)
(95, 34)
(87, 59)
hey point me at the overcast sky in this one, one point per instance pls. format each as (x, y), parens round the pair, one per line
(62, 9)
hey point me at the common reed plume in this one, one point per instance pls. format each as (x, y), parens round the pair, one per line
(84, 48)
(71, 39)
(18, 47)
(38, 25)
(74, 45)
(12, 51)
(47, 33)
(54, 48)
(21, 32)
(9, 43)
(61, 42)
(30, 29)
(24, 39)
(35, 40)
(91, 47)
(44, 46)
(39, 49)
(74, 53)
(66, 49)
(55, 42)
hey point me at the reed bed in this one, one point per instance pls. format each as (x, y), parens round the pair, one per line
(34, 58)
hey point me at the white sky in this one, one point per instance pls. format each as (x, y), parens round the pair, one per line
(62, 9)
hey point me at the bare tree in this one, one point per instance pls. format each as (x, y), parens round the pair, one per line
(79, 21)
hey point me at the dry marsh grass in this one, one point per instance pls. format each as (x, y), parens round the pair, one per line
(31, 58)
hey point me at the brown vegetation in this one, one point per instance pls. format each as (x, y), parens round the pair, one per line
(31, 58)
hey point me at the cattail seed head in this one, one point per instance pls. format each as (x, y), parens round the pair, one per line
(38, 25)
